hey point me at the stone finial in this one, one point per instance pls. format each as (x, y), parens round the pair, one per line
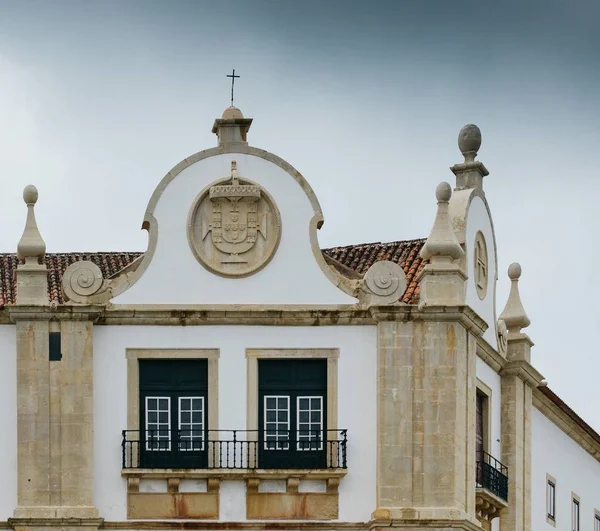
(514, 314)
(469, 141)
(232, 127)
(442, 242)
(470, 173)
(31, 247)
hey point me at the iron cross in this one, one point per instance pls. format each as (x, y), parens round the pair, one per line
(232, 76)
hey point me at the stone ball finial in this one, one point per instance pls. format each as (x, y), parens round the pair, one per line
(30, 194)
(443, 192)
(232, 113)
(514, 271)
(469, 141)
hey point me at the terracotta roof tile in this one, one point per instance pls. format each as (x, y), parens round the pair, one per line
(352, 261)
(360, 258)
(109, 264)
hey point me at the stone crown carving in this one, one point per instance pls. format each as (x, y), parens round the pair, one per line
(234, 227)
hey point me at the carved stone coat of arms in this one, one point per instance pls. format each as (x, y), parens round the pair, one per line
(234, 226)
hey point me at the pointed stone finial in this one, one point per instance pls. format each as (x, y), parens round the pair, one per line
(514, 314)
(32, 274)
(232, 127)
(442, 242)
(31, 247)
(442, 281)
(471, 172)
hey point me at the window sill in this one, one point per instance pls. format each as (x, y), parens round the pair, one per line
(226, 474)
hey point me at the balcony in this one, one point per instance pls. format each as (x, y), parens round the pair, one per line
(491, 487)
(241, 450)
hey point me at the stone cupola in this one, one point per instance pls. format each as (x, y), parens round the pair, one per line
(232, 127)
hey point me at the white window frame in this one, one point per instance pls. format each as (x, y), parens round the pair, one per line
(277, 422)
(309, 439)
(192, 436)
(551, 499)
(575, 512)
(596, 520)
(158, 438)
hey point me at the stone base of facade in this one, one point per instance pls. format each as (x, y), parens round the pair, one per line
(423, 518)
(51, 524)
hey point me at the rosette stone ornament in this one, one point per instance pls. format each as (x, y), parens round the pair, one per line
(384, 283)
(82, 280)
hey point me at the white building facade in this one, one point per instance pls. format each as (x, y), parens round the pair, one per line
(236, 376)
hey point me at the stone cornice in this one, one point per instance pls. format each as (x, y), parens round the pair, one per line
(493, 358)
(524, 370)
(566, 419)
(16, 313)
(463, 314)
(259, 525)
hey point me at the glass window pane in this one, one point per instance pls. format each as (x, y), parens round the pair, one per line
(271, 403)
(271, 416)
(282, 403)
(282, 416)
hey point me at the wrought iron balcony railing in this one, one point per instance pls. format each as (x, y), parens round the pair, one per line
(234, 449)
(492, 475)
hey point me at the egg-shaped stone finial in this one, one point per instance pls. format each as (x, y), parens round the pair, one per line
(30, 195)
(443, 192)
(514, 271)
(469, 141)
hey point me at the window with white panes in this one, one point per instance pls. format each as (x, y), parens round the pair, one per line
(191, 423)
(277, 422)
(310, 423)
(597, 521)
(575, 515)
(158, 419)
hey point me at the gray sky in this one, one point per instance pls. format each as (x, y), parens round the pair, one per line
(98, 100)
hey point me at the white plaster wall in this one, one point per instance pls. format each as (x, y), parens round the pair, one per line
(492, 379)
(555, 453)
(478, 219)
(8, 421)
(292, 277)
(357, 405)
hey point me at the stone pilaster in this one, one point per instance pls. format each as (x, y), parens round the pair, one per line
(54, 423)
(426, 400)
(519, 378)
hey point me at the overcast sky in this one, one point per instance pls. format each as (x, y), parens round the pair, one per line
(98, 100)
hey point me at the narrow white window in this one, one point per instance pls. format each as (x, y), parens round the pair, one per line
(310, 423)
(277, 422)
(551, 500)
(597, 522)
(191, 423)
(575, 515)
(158, 421)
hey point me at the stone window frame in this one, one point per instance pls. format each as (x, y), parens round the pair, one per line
(254, 354)
(133, 356)
(481, 290)
(551, 519)
(486, 390)
(575, 501)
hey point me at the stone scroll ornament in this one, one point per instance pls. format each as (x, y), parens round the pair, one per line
(234, 227)
(502, 337)
(81, 280)
(384, 282)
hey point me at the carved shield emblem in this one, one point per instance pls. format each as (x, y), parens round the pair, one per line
(234, 226)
